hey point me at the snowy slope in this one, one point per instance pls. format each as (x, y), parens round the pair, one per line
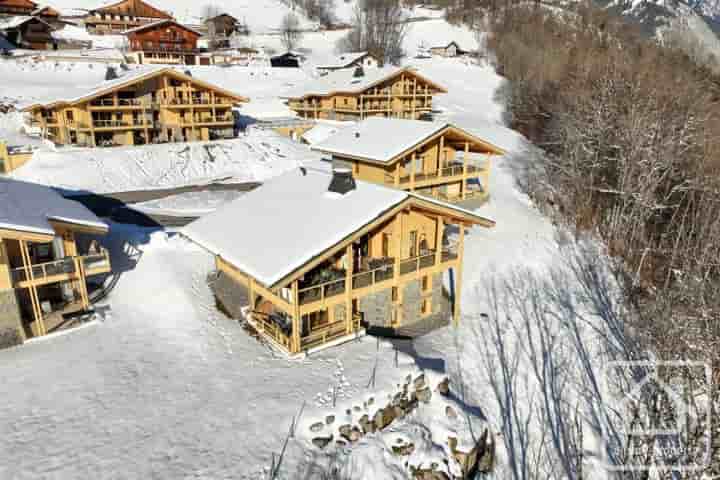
(250, 158)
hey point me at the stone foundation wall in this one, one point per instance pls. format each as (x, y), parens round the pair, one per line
(377, 308)
(230, 295)
(11, 331)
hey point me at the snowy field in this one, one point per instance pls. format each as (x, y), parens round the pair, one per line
(163, 386)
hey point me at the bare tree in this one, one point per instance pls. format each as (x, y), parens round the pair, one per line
(379, 27)
(290, 32)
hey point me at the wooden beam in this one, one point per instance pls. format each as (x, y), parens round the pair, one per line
(350, 260)
(399, 225)
(458, 277)
(296, 320)
(413, 159)
(464, 174)
(439, 232)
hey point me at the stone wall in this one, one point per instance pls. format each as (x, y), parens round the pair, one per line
(412, 302)
(230, 295)
(377, 308)
(11, 332)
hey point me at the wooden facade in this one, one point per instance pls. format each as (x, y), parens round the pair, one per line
(164, 42)
(350, 60)
(17, 7)
(43, 277)
(162, 106)
(409, 248)
(451, 165)
(121, 16)
(221, 28)
(402, 94)
(452, 49)
(32, 33)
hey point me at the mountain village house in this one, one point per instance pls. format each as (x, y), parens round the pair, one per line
(349, 60)
(115, 18)
(28, 32)
(221, 28)
(146, 105)
(369, 257)
(17, 7)
(166, 42)
(452, 49)
(430, 158)
(43, 272)
(355, 94)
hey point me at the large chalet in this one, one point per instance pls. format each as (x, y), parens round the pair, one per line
(143, 106)
(358, 93)
(436, 159)
(115, 18)
(43, 270)
(368, 257)
(164, 42)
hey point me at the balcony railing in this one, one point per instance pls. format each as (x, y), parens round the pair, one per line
(323, 291)
(449, 171)
(46, 272)
(264, 323)
(327, 333)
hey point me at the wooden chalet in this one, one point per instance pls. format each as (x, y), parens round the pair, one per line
(44, 264)
(145, 105)
(221, 28)
(452, 49)
(17, 7)
(164, 42)
(434, 159)
(358, 93)
(28, 32)
(318, 258)
(349, 60)
(118, 17)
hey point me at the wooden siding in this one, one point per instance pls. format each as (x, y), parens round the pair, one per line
(165, 37)
(17, 7)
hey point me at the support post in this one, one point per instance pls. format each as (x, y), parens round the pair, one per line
(458, 277)
(441, 150)
(295, 318)
(464, 172)
(349, 324)
(439, 233)
(396, 269)
(397, 174)
(412, 171)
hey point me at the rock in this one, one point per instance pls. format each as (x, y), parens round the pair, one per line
(322, 442)
(398, 412)
(481, 453)
(408, 379)
(316, 427)
(366, 425)
(403, 450)
(340, 443)
(451, 413)
(419, 382)
(330, 419)
(344, 430)
(348, 412)
(429, 474)
(355, 435)
(384, 417)
(444, 387)
(424, 395)
(357, 408)
(370, 401)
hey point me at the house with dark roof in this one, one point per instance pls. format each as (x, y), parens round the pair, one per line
(349, 60)
(115, 17)
(322, 257)
(164, 42)
(44, 266)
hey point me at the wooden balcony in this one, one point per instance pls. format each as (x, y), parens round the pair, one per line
(65, 269)
(365, 279)
(327, 333)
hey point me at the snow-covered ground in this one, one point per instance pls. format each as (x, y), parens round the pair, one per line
(252, 157)
(166, 387)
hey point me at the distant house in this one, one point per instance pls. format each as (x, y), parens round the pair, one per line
(115, 18)
(221, 28)
(28, 32)
(164, 42)
(146, 105)
(43, 271)
(452, 49)
(17, 7)
(349, 60)
(434, 159)
(287, 60)
(338, 257)
(356, 93)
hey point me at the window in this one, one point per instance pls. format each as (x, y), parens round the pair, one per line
(394, 294)
(69, 115)
(426, 308)
(413, 243)
(425, 283)
(385, 244)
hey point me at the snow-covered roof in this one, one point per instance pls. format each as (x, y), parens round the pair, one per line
(158, 23)
(322, 131)
(369, 139)
(344, 80)
(29, 207)
(74, 95)
(281, 225)
(343, 60)
(14, 22)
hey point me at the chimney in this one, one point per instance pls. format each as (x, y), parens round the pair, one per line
(357, 134)
(111, 73)
(342, 181)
